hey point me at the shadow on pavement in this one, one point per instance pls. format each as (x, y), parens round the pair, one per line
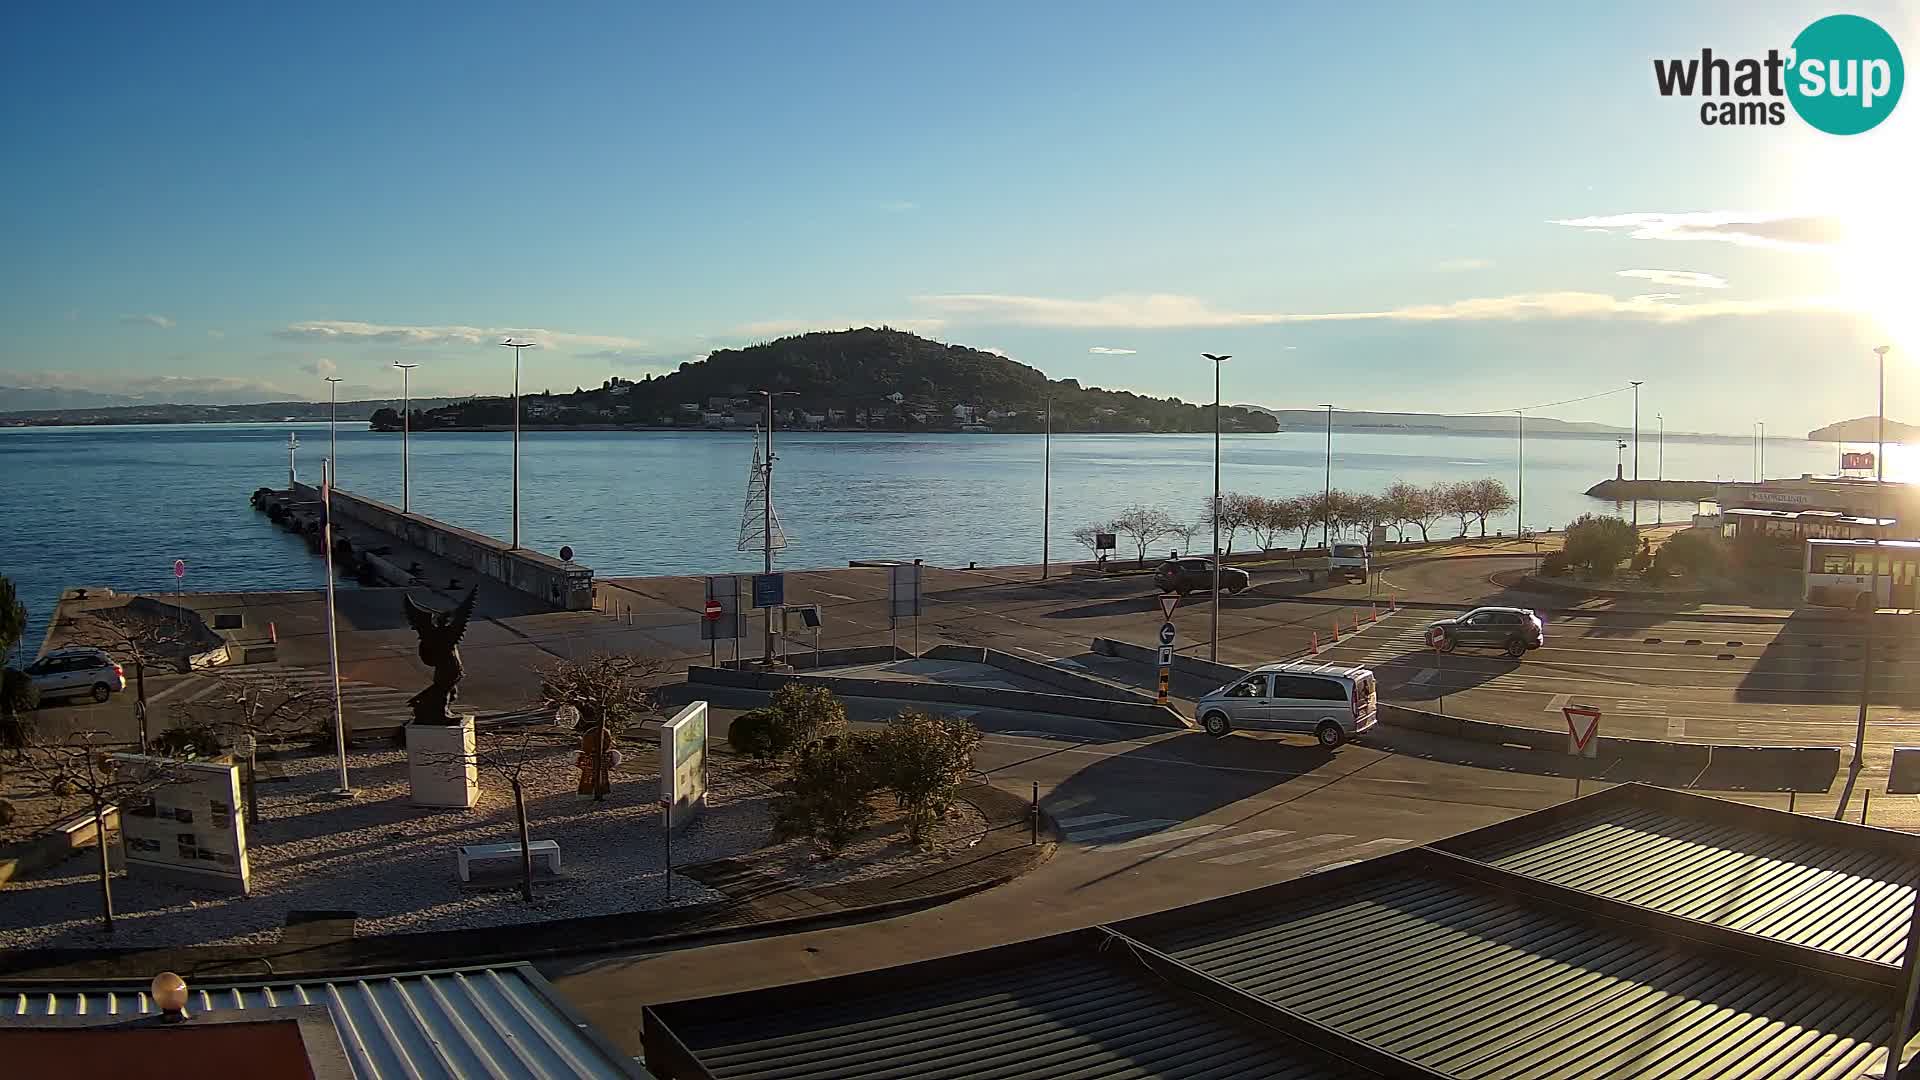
(1456, 673)
(1817, 659)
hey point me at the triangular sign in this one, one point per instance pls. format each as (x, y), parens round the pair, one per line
(1167, 602)
(1582, 722)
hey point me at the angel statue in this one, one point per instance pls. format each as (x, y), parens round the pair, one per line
(440, 633)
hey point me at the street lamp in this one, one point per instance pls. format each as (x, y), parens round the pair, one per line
(516, 346)
(333, 417)
(1326, 490)
(406, 429)
(1761, 443)
(1046, 493)
(1636, 458)
(1873, 588)
(1660, 471)
(1520, 493)
(1213, 636)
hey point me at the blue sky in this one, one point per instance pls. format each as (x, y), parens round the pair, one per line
(1360, 205)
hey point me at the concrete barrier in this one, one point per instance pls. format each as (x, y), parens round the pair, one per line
(859, 654)
(1904, 777)
(567, 586)
(1036, 671)
(1193, 667)
(946, 694)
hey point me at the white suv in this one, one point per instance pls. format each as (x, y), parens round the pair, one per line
(77, 673)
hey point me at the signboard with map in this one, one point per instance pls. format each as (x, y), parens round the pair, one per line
(189, 827)
(683, 765)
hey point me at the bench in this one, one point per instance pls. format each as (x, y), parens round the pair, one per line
(543, 851)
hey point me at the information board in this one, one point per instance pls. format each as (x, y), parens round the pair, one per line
(683, 765)
(188, 828)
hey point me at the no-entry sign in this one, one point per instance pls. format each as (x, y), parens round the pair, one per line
(1583, 730)
(712, 611)
(179, 568)
(1436, 637)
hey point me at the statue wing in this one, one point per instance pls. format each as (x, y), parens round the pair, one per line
(457, 619)
(420, 618)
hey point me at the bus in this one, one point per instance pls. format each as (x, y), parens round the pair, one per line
(1840, 573)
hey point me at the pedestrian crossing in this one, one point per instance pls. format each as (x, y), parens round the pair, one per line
(1219, 844)
(1390, 640)
(365, 705)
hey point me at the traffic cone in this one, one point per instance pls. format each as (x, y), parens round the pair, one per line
(1316, 643)
(1393, 605)
(273, 634)
(1336, 626)
(1375, 612)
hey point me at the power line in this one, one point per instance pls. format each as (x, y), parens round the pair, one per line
(1572, 401)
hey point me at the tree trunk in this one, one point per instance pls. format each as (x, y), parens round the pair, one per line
(253, 791)
(106, 872)
(140, 698)
(1423, 532)
(1483, 526)
(526, 846)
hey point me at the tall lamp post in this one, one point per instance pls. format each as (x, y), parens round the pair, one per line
(333, 418)
(767, 510)
(516, 346)
(1520, 492)
(342, 789)
(1873, 605)
(1213, 635)
(1046, 494)
(1326, 491)
(406, 429)
(1762, 444)
(1636, 458)
(1660, 472)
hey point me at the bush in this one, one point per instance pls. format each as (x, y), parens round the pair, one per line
(804, 714)
(830, 797)
(189, 741)
(1555, 564)
(922, 759)
(1599, 544)
(1695, 553)
(751, 735)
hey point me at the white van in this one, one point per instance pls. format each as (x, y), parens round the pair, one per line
(1333, 704)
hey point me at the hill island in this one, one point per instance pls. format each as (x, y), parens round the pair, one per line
(874, 379)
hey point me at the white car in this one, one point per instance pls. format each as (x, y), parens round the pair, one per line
(65, 673)
(1333, 704)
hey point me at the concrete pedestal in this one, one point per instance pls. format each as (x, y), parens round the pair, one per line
(440, 766)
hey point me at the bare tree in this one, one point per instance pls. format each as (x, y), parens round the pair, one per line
(141, 637)
(1088, 536)
(244, 711)
(80, 768)
(1488, 496)
(1143, 525)
(611, 692)
(1186, 532)
(1312, 511)
(1236, 513)
(506, 753)
(1425, 507)
(1456, 499)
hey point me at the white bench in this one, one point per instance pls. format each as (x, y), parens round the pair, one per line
(545, 851)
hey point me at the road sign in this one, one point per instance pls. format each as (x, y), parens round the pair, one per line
(1167, 603)
(713, 611)
(179, 568)
(903, 591)
(1436, 637)
(724, 590)
(1583, 730)
(1166, 633)
(1166, 656)
(769, 590)
(1104, 541)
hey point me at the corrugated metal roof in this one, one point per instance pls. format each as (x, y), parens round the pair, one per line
(482, 1022)
(1058, 1014)
(1475, 982)
(1844, 898)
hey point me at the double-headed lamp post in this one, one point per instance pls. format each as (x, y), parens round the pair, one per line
(516, 346)
(406, 429)
(1213, 636)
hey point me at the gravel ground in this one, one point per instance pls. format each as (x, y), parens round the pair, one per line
(393, 864)
(881, 850)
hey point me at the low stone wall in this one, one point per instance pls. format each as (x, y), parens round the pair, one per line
(946, 694)
(1192, 666)
(567, 586)
(1035, 671)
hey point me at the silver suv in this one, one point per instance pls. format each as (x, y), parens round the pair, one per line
(1333, 704)
(77, 672)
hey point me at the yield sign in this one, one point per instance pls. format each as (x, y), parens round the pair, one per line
(1583, 724)
(1167, 602)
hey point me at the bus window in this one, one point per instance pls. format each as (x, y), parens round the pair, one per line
(1836, 562)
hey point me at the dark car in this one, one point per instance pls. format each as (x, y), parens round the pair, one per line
(1511, 630)
(1196, 575)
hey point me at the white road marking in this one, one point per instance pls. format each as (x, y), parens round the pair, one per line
(1676, 727)
(1422, 676)
(1354, 849)
(1161, 839)
(837, 596)
(1278, 849)
(1085, 819)
(1559, 701)
(1128, 829)
(1235, 840)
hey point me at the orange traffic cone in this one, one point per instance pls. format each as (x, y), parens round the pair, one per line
(1316, 643)
(1375, 610)
(1336, 626)
(273, 634)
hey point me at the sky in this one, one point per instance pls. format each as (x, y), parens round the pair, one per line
(1386, 206)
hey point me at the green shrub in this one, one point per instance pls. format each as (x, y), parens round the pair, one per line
(922, 759)
(1555, 564)
(804, 714)
(751, 735)
(189, 741)
(1598, 545)
(1694, 553)
(830, 796)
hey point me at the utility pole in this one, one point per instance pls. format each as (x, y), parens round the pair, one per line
(1046, 494)
(1636, 458)
(1326, 492)
(767, 661)
(343, 789)
(1520, 494)
(406, 429)
(1873, 587)
(516, 346)
(1763, 441)
(333, 419)
(1660, 471)
(1213, 634)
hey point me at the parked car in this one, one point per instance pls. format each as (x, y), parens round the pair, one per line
(1515, 631)
(78, 672)
(1184, 576)
(1333, 704)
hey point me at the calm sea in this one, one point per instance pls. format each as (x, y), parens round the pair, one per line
(117, 505)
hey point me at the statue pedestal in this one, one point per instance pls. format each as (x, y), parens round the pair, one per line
(440, 765)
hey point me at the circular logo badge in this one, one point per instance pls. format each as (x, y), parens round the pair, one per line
(1847, 74)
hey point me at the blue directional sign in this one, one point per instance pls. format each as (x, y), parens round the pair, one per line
(769, 590)
(1166, 633)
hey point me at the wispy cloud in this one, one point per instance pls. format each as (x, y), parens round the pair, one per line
(1793, 232)
(1456, 265)
(1166, 311)
(1691, 279)
(161, 321)
(1103, 350)
(361, 333)
(321, 367)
